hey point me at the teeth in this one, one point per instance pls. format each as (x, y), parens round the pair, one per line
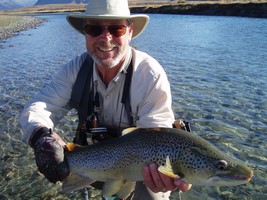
(106, 47)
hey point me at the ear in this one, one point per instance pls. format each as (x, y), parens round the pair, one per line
(130, 30)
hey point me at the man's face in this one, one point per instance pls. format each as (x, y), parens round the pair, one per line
(106, 43)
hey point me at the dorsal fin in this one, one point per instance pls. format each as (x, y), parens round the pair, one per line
(128, 130)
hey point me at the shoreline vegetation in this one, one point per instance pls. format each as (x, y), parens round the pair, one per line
(11, 22)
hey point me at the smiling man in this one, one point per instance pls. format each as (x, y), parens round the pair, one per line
(107, 42)
(116, 72)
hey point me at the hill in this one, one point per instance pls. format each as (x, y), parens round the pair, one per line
(258, 8)
(13, 4)
(44, 2)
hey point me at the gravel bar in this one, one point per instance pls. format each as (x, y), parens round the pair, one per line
(12, 25)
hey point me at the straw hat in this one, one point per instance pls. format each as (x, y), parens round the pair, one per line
(109, 9)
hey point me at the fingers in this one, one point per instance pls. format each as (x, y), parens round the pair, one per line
(184, 187)
(158, 182)
(168, 182)
(148, 179)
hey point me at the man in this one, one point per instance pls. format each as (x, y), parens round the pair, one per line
(108, 28)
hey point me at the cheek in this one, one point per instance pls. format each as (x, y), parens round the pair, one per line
(89, 43)
(123, 41)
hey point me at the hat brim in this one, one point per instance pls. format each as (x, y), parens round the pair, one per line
(139, 21)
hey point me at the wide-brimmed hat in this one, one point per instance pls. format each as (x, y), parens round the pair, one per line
(108, 9)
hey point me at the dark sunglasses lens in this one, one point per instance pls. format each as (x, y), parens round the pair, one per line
(117, 30)
(93, 30)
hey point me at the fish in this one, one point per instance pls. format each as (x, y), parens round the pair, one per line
(119, 162)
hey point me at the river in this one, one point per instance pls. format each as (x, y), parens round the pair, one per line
(217, 67)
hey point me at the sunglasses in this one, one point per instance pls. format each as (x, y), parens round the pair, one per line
(96, 30)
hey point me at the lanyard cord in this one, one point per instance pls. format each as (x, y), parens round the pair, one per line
(120, 118)
(125, 100)
(97, 105)
(96, 99)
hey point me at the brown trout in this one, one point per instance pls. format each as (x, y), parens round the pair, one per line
(119, 162)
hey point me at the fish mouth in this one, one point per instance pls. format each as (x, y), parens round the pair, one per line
(230, 178)
(249, 176)
(241, 177)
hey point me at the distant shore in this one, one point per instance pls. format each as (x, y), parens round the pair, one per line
(258, 10)
(243, 8)
(12, 25)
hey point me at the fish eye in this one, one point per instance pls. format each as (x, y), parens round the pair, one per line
(222, 164)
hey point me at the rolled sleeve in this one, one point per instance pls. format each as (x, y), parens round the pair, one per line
(48, 106)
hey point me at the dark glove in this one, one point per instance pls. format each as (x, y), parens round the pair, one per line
(49, 155)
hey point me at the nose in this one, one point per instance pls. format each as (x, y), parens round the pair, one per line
(106, 32)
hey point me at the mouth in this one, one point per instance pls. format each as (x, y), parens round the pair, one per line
(106, 47)
(245, 177)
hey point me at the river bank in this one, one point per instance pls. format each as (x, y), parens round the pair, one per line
(216, 8)
(258, 10)
(251, 9)
(12, 25)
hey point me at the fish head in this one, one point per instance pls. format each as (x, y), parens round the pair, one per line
(227, 173)
(206, 165)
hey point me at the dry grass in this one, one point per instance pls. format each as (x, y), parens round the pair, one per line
(6, 20)
(50, 8)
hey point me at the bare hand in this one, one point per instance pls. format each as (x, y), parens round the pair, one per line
(158, 182)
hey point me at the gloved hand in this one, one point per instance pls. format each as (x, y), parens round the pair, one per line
(49, 154)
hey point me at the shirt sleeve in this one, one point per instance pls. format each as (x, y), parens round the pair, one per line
(50, 105)
(152, 100)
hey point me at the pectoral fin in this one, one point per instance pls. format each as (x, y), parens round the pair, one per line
(167, 169)
(75, 182)
(71, 147)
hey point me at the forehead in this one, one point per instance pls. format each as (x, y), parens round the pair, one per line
(105, 21)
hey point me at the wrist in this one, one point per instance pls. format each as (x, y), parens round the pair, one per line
(39, 133)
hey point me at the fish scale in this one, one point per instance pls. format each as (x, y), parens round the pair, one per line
(119, 162)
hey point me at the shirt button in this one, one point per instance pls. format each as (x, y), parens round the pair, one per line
(107, 96)
(107, 115)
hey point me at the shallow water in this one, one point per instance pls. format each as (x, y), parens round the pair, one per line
(217, 67)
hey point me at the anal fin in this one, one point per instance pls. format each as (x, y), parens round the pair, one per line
(111, 187)
(126, 190)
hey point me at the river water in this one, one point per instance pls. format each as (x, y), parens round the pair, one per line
(217, 67)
